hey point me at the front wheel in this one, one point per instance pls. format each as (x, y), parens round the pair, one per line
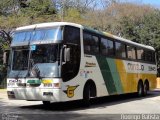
(86, 96)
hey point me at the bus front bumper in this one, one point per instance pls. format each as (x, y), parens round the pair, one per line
(38, 94)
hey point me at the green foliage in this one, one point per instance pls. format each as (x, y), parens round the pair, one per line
(72, 15)
(8, 7)
(37, 11)
(146, 31)
(39, 7)
(139, 23)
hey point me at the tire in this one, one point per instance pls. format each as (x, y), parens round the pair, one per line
(86, 96)
(146, 88)
(140, 89)
(46, 103)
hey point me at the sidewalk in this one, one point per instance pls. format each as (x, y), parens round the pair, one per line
(3, 93)
(3, 89)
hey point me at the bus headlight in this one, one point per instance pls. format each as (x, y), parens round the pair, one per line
(56, 85)
(51, 83)
(11, 84)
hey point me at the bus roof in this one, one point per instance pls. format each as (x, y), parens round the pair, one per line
(52, 24)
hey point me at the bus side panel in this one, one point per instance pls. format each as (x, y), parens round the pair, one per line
(89, 70)
(92, 64)
(110, 75)
(129, 80)
(135, 71)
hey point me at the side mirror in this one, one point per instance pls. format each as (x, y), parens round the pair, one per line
(67, 54)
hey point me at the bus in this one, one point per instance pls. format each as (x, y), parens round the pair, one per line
(62, 61)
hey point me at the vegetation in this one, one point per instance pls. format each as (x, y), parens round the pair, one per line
(139, 23)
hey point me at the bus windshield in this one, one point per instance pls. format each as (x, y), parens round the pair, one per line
(37, 36)
(20, 59)
(45, 53)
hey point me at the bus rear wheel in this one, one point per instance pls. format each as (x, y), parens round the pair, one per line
(140, 89)
(146, 88)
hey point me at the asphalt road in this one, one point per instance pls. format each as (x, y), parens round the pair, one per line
(108, 108)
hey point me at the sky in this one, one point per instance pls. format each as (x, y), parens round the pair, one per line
(154, 3)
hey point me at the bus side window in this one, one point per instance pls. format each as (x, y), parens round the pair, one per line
(107, 47)
(131, 51)
(72, 35)
(91, 43)
(148, 56)
(120, 50)
(140, 54)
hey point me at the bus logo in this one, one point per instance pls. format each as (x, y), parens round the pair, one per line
(70, 91)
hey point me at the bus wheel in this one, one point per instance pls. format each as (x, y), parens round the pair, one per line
(146, 88)
(140, 89)
(86, 96)
(46, 103)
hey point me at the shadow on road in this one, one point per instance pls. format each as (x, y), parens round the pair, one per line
(95, 103)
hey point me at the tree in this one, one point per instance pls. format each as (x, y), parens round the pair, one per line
(8, 7)
(5, 40)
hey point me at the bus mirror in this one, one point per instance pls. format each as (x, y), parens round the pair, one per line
(67, 54)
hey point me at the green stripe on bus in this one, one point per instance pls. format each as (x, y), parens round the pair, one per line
(115, 75)
(107, 75)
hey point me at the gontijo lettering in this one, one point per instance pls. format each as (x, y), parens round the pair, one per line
(132, 66)
(88, 64)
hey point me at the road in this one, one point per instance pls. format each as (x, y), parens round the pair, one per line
(108, 108)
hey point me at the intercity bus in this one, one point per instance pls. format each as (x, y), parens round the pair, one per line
(61, 61)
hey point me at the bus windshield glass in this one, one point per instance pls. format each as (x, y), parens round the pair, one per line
(47, 53)
(47, 35)
(20, 59)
